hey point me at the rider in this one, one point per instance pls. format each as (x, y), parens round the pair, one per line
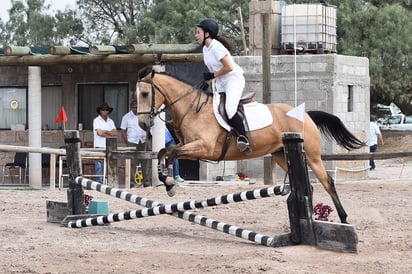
(228, 74)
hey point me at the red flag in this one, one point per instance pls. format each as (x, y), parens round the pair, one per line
(62, 117)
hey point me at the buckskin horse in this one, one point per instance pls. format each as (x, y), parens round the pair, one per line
(202, 138)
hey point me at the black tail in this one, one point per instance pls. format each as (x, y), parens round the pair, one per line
(332, 127)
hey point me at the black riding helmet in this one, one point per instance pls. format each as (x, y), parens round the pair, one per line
(210, 26)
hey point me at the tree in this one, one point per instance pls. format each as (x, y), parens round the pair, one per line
(165, 25)
(381, 31)
(30, 25)
(111, 21)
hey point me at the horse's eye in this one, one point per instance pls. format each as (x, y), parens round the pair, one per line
(144, 94)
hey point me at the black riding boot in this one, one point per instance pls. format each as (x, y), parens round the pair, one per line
(242, 141)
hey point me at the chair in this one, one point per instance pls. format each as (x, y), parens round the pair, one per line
(20, 163)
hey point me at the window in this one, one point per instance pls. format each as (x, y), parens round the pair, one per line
(51, 101)
(350, 98)
(13, 107)
(92, 95)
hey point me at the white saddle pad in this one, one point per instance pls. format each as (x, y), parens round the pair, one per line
(257, 115)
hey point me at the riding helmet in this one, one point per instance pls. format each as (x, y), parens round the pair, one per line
(210, 26)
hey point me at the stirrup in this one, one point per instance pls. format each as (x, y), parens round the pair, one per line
(243, 144)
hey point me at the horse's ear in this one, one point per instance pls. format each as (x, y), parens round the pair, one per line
(144, 72)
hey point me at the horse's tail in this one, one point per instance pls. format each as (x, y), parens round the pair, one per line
(332, 127)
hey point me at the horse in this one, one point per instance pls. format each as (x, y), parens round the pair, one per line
(202, 138)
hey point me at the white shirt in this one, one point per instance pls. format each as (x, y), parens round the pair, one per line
(374, 132)
(99, 122)
(212, 57)
(135, 134)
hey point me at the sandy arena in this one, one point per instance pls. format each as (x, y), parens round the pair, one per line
(379, 208)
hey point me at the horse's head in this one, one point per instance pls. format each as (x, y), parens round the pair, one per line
(149, 101)
(155, 89)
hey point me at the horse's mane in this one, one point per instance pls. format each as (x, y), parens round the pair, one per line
(142, 73)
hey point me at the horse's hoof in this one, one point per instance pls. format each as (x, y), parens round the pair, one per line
(171, 190)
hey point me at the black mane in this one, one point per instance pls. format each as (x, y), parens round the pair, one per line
(189, 79)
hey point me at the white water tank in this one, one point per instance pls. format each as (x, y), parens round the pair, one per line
(314, 26)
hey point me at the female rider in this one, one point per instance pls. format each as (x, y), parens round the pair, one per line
(229, 75)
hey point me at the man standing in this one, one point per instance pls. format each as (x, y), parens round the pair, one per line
(135, 136)
(375, 134)
(103, 127)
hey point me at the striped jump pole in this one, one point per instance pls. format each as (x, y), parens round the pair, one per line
(171, 208)
(177, 210)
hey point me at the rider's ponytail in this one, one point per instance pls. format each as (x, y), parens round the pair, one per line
(225, 42)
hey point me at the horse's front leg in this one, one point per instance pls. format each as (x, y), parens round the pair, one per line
(166, 177)
(192, 151)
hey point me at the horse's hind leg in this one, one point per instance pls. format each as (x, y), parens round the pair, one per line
(320, 173)
(329, 185)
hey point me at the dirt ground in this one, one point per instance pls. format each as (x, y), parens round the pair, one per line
(379, 208)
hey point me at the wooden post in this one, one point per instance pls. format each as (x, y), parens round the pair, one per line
(112, 176)
(267, 89)
(300, 199)
(75, 194)
(127, 173)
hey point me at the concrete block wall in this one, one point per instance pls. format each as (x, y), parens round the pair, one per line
(322, 83)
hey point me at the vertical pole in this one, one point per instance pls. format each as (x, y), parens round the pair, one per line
(75, 194)
(300, 200)
(34, 119)
(127, 173)
(52, 171)
(112, 175)
(266, 55)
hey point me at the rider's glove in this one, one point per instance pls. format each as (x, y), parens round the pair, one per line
(208, 76)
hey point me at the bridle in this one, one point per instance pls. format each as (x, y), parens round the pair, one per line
(153, 113)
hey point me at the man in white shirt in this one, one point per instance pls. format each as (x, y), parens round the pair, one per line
(135, 136)
(103, 127)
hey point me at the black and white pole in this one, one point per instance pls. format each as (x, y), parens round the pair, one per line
(171, 208)
(178, 210)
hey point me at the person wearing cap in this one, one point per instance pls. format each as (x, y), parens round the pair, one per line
(103, 127)
(134, 136)
(229, 75)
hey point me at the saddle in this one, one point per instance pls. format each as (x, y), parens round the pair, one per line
(248, 98)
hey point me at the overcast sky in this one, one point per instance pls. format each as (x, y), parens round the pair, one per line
(55, 5)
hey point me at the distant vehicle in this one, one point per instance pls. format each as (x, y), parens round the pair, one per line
(383, 112)
(397, 122)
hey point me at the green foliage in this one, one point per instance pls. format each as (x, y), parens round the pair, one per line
(178, 25)
(30, 25)
(112, 21)
(379, 30)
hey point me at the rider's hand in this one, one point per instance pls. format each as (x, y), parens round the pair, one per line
(208, 76)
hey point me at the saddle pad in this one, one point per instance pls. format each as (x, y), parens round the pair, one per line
(257, 115)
